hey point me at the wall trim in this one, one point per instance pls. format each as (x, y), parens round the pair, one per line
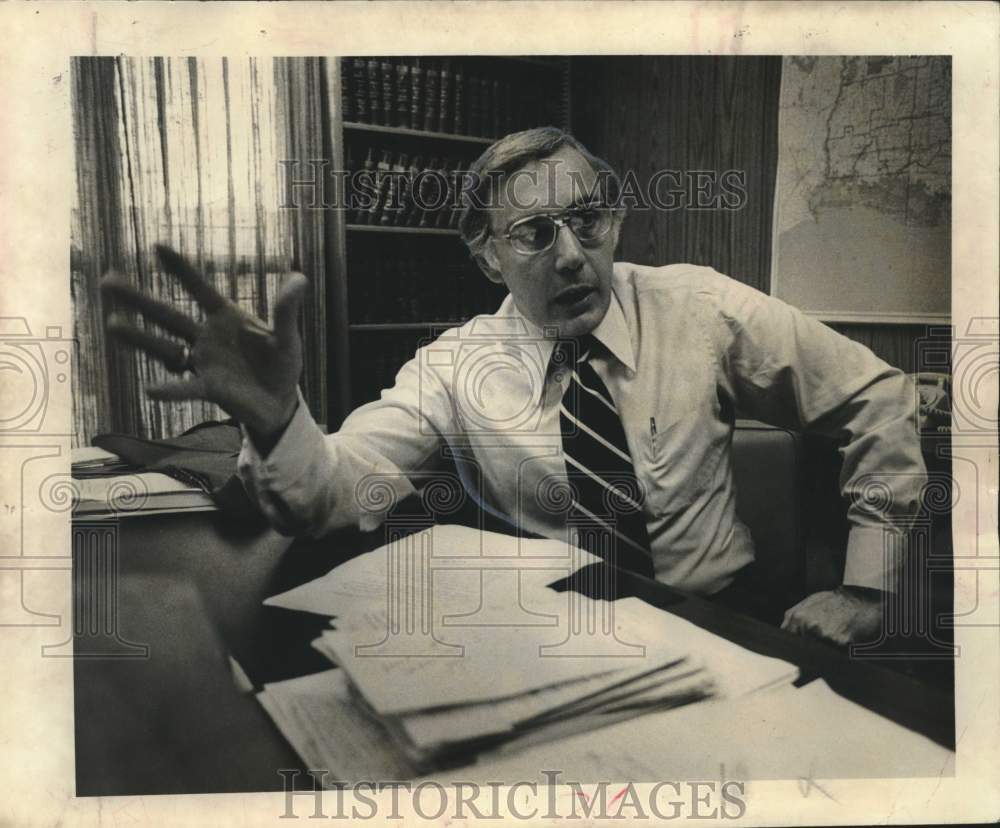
(881, 317)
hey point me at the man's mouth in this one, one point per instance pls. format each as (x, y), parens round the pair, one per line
(573, 295)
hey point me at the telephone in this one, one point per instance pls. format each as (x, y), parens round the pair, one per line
(934, 393)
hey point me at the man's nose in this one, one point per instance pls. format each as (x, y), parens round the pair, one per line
(569, 253)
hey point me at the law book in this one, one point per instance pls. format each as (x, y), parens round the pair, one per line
(347, 90)
(349, 208)
(416, 95)
(403, 92)
(395, 192)
(366, 180)
(444, 99)
(382, 180)
(374, 87)
(508, 107)
(443, 216)
(429, 197)
(388, 93)
(359, 89)
(497, 109)
(485, 107)
(409, 206)
(458, 120)
(430, 100)
(473, 122)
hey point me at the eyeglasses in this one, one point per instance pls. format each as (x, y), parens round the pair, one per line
(536, 234)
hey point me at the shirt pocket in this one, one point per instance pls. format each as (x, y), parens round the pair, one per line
(681, 458)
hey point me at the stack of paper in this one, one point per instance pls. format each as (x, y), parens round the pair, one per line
(451, 642)
(107, 487)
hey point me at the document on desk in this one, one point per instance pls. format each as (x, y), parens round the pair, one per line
(452, 641)
(318, 717)
(786, 732)
(420, 562)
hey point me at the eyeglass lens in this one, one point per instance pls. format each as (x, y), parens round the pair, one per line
(539, 232)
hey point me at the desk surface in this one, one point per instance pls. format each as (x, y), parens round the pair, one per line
(190, 588)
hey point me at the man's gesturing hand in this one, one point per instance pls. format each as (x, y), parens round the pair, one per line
(235, 360)
(847, 615)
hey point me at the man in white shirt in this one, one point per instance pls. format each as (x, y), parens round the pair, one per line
(677, 349)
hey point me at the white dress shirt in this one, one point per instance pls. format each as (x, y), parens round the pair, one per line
(686, 346)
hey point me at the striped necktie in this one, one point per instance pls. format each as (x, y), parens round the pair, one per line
(606, 508)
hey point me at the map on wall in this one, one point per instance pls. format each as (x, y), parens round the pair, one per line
(863, 201)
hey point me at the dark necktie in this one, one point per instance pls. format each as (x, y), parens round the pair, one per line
(607, 501)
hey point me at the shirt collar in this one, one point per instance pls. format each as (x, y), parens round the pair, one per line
(612, 331)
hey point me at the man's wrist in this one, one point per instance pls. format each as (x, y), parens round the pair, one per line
(266, 434)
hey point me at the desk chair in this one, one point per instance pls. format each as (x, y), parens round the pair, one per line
(768, 475)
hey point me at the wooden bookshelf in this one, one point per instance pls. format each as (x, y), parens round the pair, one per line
(404, 274)
(388, 228)
(416, 133)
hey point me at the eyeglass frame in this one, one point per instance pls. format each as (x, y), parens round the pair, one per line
(560, 220)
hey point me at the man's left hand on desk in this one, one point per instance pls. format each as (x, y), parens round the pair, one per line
(846, 615)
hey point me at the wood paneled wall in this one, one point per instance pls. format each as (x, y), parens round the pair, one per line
(649, 113)
(687, 114)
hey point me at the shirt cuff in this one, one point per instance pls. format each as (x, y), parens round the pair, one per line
(299, 445)
(874, 557)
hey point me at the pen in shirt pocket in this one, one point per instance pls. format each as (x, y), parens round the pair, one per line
(652, 431)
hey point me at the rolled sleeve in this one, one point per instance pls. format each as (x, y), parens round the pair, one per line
(788, 369)
(311, 483)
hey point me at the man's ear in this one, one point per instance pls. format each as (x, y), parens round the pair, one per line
(617, 219)
(488, 263)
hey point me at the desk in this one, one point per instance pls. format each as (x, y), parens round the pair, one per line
(190, 588)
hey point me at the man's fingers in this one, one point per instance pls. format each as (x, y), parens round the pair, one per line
(287, 306)
(175, 264)
(171, 354)
(161, 313)
(192, 388)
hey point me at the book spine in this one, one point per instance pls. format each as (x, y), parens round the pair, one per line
(444, 100)
(456, 213)
(359, 89)
(403, 95)
(367, 180)
(388, 93)
(484, 107)
(409, 207)
(472, 105)
(382, 179)
(395, 192)
(444, 214)
(430, 100)
(350, 212)
(508, 108)
(458, 121)
(347, 89)
(416, 96)
(496, 114)
(374, 99)
(428, 196)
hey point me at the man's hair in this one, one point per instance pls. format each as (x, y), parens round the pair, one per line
(509, 154)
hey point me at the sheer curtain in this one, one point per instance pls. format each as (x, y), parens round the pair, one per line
(186, 152)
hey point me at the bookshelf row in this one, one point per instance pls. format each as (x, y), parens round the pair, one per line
(449, 95)
(399, 188)
(408, 127)
(410, 284)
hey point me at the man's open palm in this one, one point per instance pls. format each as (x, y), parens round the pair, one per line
(230, 358)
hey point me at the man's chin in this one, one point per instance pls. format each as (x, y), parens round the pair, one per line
(581, 324)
